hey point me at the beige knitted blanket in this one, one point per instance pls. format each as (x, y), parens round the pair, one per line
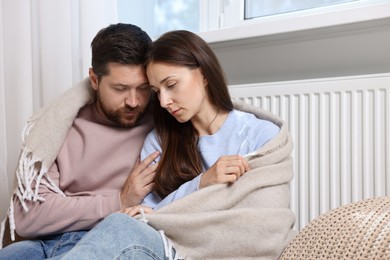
(42, 139)
(250, 219)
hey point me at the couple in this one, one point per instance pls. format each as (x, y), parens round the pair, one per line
(197, 144)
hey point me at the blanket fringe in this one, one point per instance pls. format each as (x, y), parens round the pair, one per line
(26, 130)
(2, 230)
(29, 173)
(167, 245)
(11, 221)
(32, 165)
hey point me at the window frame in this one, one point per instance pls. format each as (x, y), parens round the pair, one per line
(305, 20)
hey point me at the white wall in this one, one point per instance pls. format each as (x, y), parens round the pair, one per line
(344, 43)
(44, 49)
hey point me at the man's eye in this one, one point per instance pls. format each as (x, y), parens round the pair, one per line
(119, 89)
(146, 87)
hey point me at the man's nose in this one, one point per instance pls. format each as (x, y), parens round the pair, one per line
(131, 98)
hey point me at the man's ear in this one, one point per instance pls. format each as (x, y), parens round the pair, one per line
(93, 79)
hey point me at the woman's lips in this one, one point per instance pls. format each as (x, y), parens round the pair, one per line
(175, 112)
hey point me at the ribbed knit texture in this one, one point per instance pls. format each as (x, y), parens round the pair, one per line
(359, 230)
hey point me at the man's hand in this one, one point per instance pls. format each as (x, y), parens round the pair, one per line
(227, 169)
(139, 183)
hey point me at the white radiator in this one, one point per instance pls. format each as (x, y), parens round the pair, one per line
(341, 133)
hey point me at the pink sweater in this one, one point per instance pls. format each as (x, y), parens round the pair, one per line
(90, 169)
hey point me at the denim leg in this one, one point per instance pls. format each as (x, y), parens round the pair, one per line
(28, 249)
(119, 236)
(55, 245)
(47, 246)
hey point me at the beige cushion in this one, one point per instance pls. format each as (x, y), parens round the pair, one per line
(360, 230)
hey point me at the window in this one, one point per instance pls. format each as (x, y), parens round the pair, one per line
(260, 8)
(159, 16)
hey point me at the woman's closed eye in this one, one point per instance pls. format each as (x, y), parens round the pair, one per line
(171, 85)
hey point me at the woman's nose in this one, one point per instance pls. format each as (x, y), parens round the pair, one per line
(165, 100)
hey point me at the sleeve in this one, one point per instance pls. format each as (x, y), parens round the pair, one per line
(184, 190)
(268, 131)
(152, 200)
(58, 214)
(151, 144)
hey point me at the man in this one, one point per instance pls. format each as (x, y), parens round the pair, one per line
(79, 161)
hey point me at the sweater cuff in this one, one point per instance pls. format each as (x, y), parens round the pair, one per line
(110, 204)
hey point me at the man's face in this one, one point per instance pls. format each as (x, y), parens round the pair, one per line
(123, 94)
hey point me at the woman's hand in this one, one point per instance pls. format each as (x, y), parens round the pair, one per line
(139, 209)
(227, 169)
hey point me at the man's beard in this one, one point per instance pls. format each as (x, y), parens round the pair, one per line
(120, 116)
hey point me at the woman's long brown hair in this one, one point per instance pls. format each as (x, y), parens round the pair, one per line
(180, 159)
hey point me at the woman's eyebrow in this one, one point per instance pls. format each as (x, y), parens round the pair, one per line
(163, 80)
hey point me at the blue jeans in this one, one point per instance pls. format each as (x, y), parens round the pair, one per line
(119, 236)
(41, 248)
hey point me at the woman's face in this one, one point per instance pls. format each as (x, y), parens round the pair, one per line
(181, 90)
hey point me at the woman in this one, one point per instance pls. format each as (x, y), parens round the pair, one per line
(201, 139)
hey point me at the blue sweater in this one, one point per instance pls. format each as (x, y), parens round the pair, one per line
(241, 133)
